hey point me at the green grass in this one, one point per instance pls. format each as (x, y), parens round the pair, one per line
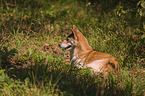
(31, 63)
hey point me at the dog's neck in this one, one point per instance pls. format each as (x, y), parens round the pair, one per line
(78, 56)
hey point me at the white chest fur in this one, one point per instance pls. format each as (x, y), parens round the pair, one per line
(74, 59)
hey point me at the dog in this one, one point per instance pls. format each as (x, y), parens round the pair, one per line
(83, 56)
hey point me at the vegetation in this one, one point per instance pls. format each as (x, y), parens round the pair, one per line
(32, 64)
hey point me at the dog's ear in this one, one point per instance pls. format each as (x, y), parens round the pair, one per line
(76, 32)
(75, 28)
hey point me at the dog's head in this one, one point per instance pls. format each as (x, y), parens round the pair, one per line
(75, 39)
(68, 43)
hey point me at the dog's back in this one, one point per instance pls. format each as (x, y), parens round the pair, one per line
(101, 61)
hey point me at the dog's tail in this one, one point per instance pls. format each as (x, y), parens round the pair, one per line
(114, 63)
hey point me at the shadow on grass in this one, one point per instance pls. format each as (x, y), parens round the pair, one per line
(136, 52)
(67, 78)
(6, 57)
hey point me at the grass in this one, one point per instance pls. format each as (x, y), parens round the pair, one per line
(32, 64)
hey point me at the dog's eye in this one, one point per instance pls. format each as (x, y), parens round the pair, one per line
(73, 42)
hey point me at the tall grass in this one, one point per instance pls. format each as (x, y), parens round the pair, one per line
(32, 64)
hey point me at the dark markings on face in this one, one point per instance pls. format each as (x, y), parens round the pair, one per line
(71, 36)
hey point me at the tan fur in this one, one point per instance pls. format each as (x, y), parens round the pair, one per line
(82, 53)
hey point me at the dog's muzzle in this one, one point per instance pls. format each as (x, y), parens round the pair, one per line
(65, 46)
